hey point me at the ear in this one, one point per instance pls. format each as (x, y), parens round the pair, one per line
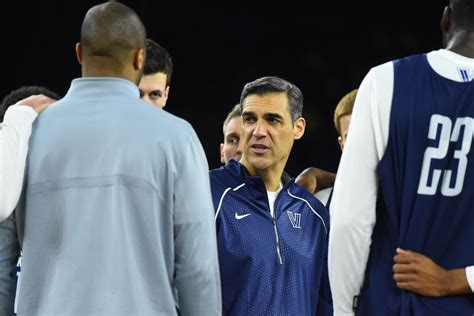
(341, 142)
(165, 95)
(446, 19)
(222, 154)
(298, 128)
(79, 53)
(139, 59)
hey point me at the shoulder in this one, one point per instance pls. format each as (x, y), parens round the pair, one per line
(381, 71)
(218, 175)
(162, 123)
(299, 193)
(410, 59)
(225, 177)
(312, 204)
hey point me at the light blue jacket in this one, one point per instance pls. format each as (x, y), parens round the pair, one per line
(117, 218)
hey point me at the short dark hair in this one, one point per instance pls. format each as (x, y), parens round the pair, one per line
(271, 84)
(22, 93)
(235, 112)
(111, 30)
(157, 60)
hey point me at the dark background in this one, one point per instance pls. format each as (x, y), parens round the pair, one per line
(325, 49)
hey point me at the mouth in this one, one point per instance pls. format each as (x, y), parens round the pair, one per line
(259, 149)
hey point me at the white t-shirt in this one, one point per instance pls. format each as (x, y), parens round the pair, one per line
(323, 195)
(14, 136)
(271, 199)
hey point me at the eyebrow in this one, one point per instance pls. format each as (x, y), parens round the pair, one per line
(273, 116)
(233, 134)
(266, 115)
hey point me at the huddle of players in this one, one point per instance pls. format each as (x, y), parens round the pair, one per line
(273, 237)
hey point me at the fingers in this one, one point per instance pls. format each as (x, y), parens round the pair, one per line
(409, 286)
(404, 268)
(404, 277)
(37, 102)
(407, 256)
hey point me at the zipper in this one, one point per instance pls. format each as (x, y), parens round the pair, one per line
(277, 239)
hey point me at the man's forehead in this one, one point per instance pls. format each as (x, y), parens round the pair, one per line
(272, 102)
(233, 126)
(156, 81)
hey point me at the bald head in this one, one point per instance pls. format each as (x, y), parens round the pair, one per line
(111, 32)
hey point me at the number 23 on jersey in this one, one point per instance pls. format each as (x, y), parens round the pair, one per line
(461, 135)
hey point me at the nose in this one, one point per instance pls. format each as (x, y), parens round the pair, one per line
(239, 148)
(260, 129)
(145, 97)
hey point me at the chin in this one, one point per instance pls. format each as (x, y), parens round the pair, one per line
(259, 163)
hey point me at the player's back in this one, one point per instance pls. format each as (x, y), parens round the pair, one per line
(97, 226)
(426, 179)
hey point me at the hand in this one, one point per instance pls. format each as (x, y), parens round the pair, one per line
(37, 102)
(307, 179)
(315, 179)
(419, 274)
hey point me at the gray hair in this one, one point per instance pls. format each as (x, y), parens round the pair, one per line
(271, 84)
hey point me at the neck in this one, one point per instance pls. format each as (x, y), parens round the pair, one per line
(462, 43)
(271, 176)
(104, 68)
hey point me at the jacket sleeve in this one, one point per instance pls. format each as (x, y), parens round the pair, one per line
(196, 264)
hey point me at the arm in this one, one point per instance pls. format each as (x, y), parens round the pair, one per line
(355, 191)
(196, 265)
(14, 136)
(419, 274)
(315, 179)
(9, 253)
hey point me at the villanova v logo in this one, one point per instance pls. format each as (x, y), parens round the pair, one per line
(295, 219)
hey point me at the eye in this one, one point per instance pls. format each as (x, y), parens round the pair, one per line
(233, 140)
(156, 94)
(273, 119)
(141, 93)
(248, 119)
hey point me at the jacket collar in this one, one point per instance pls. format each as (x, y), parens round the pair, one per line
(239, 170)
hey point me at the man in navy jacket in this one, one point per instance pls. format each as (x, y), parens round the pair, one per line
(272, 234)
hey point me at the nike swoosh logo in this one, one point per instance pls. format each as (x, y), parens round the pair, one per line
(237, 216)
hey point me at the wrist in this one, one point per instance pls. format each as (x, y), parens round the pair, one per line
(456, 282)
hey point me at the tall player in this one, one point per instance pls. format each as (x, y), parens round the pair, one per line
(406, 176)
